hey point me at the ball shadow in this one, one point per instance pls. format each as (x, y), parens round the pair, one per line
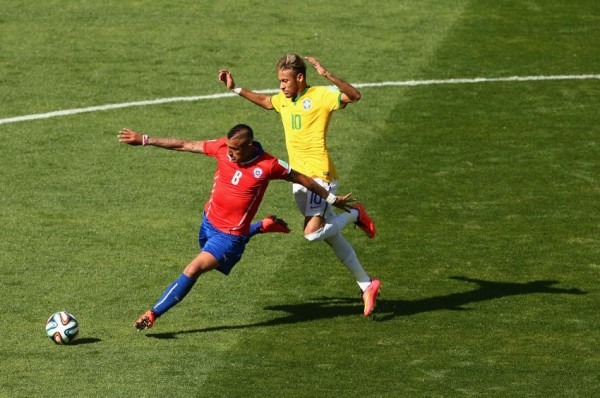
(86, 340)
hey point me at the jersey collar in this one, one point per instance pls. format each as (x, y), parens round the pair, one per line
(301, 94)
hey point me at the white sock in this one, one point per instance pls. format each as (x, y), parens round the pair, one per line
(333, 226)
(346, 254)
(364, 285)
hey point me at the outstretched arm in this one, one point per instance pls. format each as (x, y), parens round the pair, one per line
(349, 92)
(131, 137)
(261, 100)
(341, 202)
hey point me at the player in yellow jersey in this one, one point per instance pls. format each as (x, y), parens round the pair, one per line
(305, 113)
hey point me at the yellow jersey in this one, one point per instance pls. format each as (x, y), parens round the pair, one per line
(305, 122)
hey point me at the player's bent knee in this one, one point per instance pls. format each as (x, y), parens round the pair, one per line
(314, 236)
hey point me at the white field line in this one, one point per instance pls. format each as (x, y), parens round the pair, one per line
(159, 101)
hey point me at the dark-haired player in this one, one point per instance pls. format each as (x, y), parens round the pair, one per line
(243, 173)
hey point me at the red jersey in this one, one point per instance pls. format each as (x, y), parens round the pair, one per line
(238, 188)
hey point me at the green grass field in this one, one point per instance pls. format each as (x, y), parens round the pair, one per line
(486, 198)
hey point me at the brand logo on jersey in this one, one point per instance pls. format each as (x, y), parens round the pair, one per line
(306, 104)
(258, 172)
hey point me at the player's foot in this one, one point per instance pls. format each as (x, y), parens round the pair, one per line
(364, 222)
(146, 321)
(274, 224)
(370, 295)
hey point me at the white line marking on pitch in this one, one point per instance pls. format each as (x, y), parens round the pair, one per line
(98, 108)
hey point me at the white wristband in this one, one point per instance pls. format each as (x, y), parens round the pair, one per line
(237, 90)
(331, 199)
(145, 139)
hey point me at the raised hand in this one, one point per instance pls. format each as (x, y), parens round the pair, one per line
(130, 137)
(320, 68)
(227, 79)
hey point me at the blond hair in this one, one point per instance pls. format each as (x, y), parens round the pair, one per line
(292, 62)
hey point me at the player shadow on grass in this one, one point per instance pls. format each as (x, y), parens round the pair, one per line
(486, 290)
(387, 309)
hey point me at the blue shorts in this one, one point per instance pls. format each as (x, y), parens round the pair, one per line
(226, 248)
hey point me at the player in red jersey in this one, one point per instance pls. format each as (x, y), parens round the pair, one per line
(243, 173)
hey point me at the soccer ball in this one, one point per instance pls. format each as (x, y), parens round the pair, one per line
(62, 327)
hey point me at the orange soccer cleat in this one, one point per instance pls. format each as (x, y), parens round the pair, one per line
(370, 295)
(145, 321)
(274, 224)
(364, 222)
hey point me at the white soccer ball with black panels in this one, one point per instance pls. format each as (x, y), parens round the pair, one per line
(62, 327)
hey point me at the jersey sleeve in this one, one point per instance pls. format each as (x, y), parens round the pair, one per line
(211, 147)
(276, 102)
(280, 170)
(332, 96)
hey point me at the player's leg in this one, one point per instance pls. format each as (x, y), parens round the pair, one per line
(267, 225)
(177, 290)
(321, 221)
(346, 254)
(323, 228)
(219, 251)
(320, 228)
